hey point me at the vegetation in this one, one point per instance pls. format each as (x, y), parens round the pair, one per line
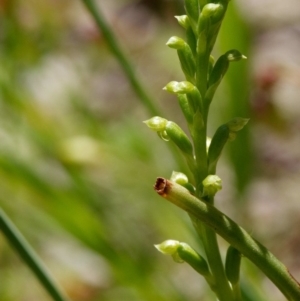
(75, 178)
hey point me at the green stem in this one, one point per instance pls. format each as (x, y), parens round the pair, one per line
(124, 61)
(233, 234)
(211, 247)
(22, 247)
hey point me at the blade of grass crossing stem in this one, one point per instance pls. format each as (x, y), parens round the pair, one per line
(126, 65)
(121, 57)
(29, 256)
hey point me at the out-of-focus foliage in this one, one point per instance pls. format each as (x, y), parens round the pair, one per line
(76, 163)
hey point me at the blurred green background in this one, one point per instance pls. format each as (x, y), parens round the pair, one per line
(77, 165)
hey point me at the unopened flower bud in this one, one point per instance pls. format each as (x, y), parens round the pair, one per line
(213, 11)
(157, 124)
(179, 177)
(235, 56)
(185, 108)
(179, 87)
(176, 43)
(237, 124)
(183, 21)
(168, 247)
(211, 185)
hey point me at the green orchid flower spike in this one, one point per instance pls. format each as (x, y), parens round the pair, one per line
(203, 75)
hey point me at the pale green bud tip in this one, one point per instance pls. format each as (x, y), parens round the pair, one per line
(176, 43)
(237, 124)
(179, 87)
(183, 21)
(157, 124)
(210, 9)
(168, 247)
(212, 184)
(235, 55)
(179, 178)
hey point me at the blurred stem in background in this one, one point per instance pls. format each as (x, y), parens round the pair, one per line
(138, 87)
(28, 255)
(120, 55)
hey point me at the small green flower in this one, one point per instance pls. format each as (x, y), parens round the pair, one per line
(168, 247)
(211, 185)
(176, 43)
(235, 56)
(179, 87)
(213, 11)
(183, 21)
(237, 124)
(157, 124)
(179, 177)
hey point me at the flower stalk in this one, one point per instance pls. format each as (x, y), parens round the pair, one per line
(233, 234)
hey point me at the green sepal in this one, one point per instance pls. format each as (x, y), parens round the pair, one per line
(185, 55)
(191, 40)
(219, 70)
(191, 91)
(226, 132)
(222, 64)
(195, 100)
(192, 10)
(216, 146)
(232, 265)
(180, 139)
(187, 63)
(193, 258)
(186, 109)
